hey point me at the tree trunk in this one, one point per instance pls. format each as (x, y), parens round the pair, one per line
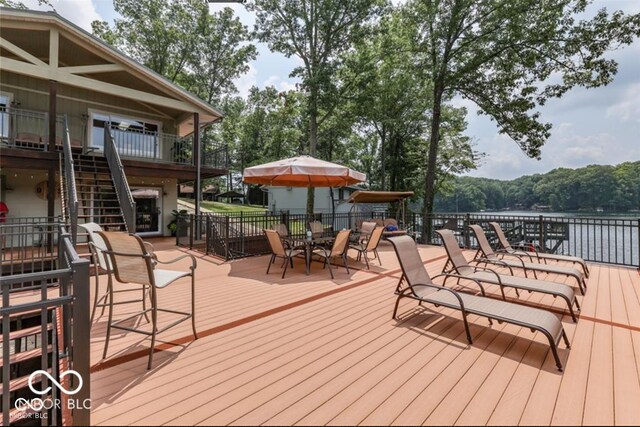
(313, 141)
(383, 158)
(430, 180)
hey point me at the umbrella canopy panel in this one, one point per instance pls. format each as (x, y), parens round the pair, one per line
(303, 171)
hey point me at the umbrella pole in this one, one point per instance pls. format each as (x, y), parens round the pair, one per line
(333, 210)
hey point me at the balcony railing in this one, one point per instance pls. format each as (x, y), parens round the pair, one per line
(63, 335)
(24, 128)
(28, 129)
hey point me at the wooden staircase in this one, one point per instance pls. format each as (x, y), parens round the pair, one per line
(97, 199)
(25, 345)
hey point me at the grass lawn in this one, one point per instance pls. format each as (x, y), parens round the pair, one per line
(228, 207)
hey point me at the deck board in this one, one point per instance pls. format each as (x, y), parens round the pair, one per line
(319, 351)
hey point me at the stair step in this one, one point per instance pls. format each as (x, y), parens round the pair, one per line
(101, 216)
(25, 355)
(93, 179)
(92, 170)
(27, 313)
(25, 332)
(21, 382)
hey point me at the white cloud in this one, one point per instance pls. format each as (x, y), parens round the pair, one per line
(279, 83)
(245, 82)
(80, 12)
(628, 108)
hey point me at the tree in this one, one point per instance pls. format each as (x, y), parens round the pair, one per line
(509, 57)
(19, 5)
(222, 55)
(182, 41)
(161, 34)
(317, 32)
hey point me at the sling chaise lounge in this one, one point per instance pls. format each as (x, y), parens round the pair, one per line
(420, 287)
(537, 256)
(485, 275)
(490, 257)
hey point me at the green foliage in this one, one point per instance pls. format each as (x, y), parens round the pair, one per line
(230, 207)
(612, 188)
(509, 57)
(318, 32)
(20, 5)
(181, 40)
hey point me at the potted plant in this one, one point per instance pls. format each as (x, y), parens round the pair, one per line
(173, 225)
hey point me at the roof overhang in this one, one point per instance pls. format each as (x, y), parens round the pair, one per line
(103, 70)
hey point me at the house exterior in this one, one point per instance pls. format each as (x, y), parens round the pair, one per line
(51, 68)
(294, 199)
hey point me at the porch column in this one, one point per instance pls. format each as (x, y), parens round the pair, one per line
(51, 146)
(196, 158)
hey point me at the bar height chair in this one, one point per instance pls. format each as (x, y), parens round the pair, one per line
(133, 263)
(97, 248)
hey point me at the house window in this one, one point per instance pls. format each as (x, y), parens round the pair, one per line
(341, 194)
(133, 137)
(5, 103)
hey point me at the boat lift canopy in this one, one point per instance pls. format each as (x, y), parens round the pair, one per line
(362, 196)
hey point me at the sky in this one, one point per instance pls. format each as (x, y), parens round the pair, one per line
(594, 126)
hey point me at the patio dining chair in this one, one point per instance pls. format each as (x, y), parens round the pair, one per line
(369, 245)
(133, 263)
(97, 248)
(505, 246)
(420, 287)
(278, 250)
(316, 228)
(339, 249)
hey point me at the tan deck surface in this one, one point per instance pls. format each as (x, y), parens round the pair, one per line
(309, 350)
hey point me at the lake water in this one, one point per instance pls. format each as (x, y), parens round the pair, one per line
(596, 236)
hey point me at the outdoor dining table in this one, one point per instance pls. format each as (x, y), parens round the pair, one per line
(309, 243)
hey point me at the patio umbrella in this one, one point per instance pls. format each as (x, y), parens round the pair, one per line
(302, 171)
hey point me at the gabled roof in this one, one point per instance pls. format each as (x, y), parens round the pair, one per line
(18, 18)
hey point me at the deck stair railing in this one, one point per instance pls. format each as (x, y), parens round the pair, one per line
(123, 191)
(70, 191)
(45, 332)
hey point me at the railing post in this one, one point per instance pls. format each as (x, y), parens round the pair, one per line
(226, 238)
(191, 231)
(207, 235)
(81, 340)
(465, 227)
(543, 246)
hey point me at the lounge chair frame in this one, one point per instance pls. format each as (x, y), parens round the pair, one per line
(540, 257)
(401, 243)
(462, 267)
(486, 255)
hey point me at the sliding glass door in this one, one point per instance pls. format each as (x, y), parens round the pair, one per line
(148, 209)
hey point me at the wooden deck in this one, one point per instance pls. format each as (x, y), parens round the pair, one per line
(309, 350)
